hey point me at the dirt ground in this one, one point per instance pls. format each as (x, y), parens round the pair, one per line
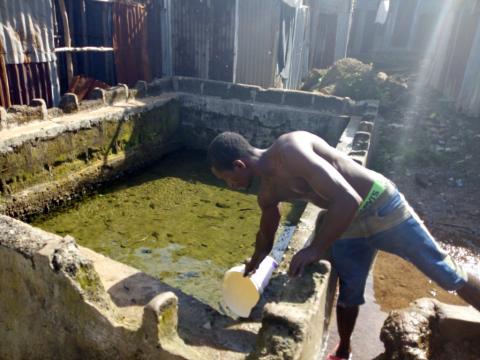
(430, 152)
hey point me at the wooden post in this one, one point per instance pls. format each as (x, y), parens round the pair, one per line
(67, 39)
(4, 88)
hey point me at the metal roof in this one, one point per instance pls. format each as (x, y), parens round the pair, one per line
(26, 31)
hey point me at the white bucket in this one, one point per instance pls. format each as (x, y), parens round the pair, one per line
(241, 294)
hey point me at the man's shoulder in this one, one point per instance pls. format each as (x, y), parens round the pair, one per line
(266, 196)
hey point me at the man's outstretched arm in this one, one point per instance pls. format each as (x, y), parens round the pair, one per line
(265, 236)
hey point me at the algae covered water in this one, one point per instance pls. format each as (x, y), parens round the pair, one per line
(174, 221)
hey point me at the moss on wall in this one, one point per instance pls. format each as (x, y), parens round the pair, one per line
(42, 160)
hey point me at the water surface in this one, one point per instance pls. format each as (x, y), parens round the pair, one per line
(174, 221)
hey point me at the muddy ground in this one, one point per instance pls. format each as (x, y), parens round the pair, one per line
(430, 151)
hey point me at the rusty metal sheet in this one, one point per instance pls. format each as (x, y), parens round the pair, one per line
(27, 31)
(29, 81)
(90, 23)
(82, 86)
(135, 42)
(27, 60)
(4, 88)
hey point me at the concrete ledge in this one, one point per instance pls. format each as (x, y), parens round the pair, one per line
(116, 94)
(69, 103)
(18, 115)
(293, 327)
(361, 141)
(366, 126)
(140, 90)
(87, 105)
(42, 106)
(271, 96)
(47, 153)
(216, 88)
(158, 86)
(3, 118)
(242, 92)
(70, 310)
(330, 104)
(188, 85)
(299, 99)
(98, 94)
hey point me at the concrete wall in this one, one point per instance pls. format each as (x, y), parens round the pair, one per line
(61, 301)
(54, 305)
(79, 146)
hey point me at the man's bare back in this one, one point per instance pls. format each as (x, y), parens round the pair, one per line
(298, 165)
(280, 181)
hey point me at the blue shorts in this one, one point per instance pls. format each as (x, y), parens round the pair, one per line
(391, 225)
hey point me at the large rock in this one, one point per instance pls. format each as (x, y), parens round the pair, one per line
(429, 329)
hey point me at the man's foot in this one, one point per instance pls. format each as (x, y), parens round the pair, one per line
(333, 357)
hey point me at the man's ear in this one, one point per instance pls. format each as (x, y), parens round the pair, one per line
(239, 164)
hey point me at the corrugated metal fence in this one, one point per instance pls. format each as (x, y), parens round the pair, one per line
(27, 61)
(456, 66)
(203, 38)
(266, 42)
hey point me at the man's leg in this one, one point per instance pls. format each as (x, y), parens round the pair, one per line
(351, 259)
(346, 318)
(412, 241)
(470, 292)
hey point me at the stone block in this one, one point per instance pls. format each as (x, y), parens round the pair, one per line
(361, 141)
(328, 103)
(90, 104)
(159, 86)
(242, 92)
(97, 94)
(366, 126)
(270, 96)
(190, 85)
(458, 322)
(41, 105)
(355, 107)
(369, 117)
(141, 88)
(3, 118)
(116, 94)
(215, 88)
(69, 103)
(21, 114)
(161, 314)
(298, 99)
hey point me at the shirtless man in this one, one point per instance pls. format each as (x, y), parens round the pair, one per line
(365, 212)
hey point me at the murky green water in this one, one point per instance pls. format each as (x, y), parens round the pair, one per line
(174, 221)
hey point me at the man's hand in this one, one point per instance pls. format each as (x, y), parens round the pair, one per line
(252, 265)
(301, 259)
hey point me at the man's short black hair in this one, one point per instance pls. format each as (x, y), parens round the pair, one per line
(226, 148)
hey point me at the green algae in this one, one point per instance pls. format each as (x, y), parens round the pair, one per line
(174, 221)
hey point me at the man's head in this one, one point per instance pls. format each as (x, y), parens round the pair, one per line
(228, 155)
